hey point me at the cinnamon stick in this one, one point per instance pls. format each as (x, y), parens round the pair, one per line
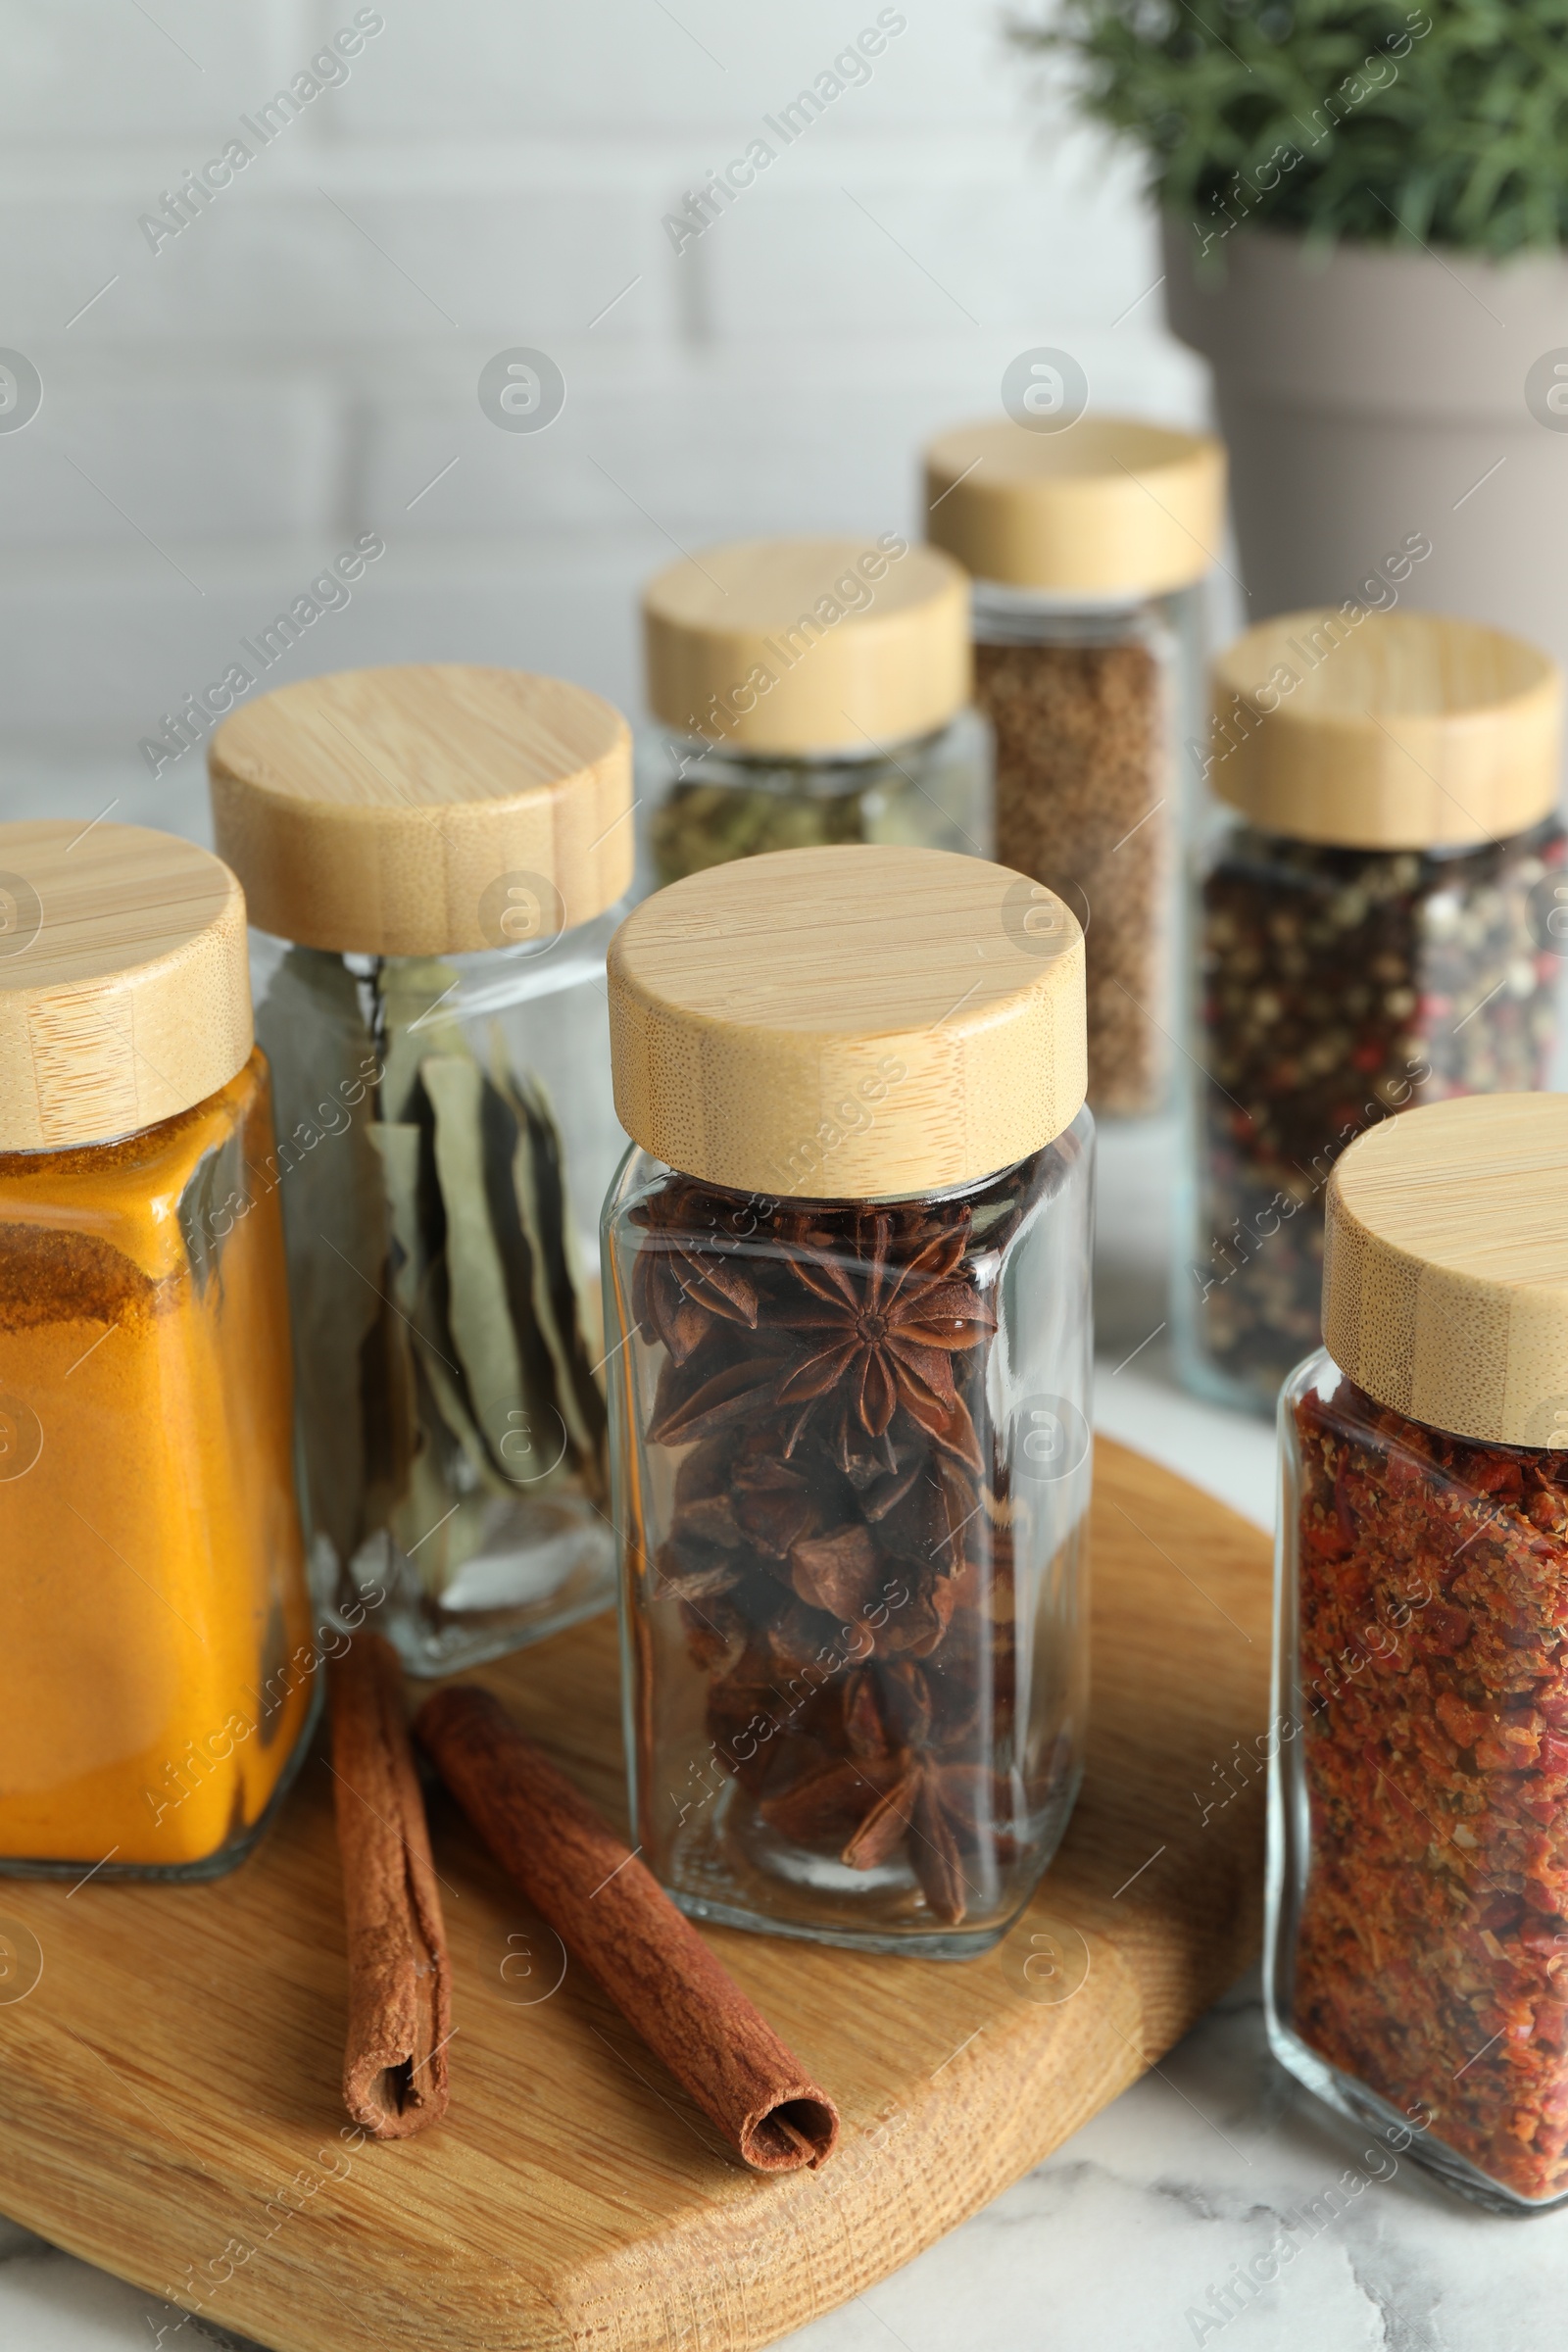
(614, 1917)
(400, 1980)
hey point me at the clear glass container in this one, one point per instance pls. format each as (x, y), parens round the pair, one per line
(852, 1470)
(157, 1666)
(1418, 1819)
(708, 801)
(446, 1134)
(1331, 988)
(1090, 705)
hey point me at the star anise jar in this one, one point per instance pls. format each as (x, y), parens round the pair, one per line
(1379, 909)
(1418, 1826)
(847, 1300)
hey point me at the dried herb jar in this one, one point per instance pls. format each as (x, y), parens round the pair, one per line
(847, 1288)
(1418, 1832)
(442, 850)
(156, 1667)
(1089, 549)
(809, 692)
(1372, 899)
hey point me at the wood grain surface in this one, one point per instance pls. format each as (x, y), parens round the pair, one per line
(125, 981)
(1114, 507)
(848, 1022)
(1446, 1266)
(168, 2101)
(1386, 730)
(727, 632)
(390, 811)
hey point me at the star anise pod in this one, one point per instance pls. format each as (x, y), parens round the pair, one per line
(681, 1282)
(881, 1336)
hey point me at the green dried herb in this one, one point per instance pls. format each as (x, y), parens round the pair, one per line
(313, 1033)
(505, 1396)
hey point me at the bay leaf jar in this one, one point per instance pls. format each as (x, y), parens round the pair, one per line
(1418, 1825)
(1089, 549)
(1378, 898)
(807, 692)
(157, 1670)
(436, 854)
(847, 1287)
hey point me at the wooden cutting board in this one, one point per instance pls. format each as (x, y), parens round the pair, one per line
(169, 2103)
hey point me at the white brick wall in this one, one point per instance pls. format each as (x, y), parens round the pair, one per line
(302, 358)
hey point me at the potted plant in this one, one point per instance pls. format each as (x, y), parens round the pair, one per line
(1364, 207)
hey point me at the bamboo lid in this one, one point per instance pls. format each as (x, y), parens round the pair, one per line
(431, 809)
(1107, 508)
(125, 984)
(802, 646)
(1446, 1279)
(847, 1024)
(1386, 730)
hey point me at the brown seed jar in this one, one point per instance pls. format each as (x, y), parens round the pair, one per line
(1335, 987)
(1088, 541)
(1082, 712)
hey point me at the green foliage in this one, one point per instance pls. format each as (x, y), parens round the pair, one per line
(1378, 122)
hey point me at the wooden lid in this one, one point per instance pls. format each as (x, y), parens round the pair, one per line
(1106, 507)
(1386, 730)
(430, 810)
(125, 986)
(1445, 1280)
(796, 645)
(847, 1024)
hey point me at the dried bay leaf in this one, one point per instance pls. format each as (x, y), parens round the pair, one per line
(539, 1174)
(414, 996)
(549, 1408)
(311, 1026)
(502, 1374)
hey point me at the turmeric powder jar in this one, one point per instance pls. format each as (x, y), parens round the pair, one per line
(432, 858)
(156, 1670)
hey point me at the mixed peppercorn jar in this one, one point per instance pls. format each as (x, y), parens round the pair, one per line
(1088, 543)
(808, 692)
(1375, 925)
(433, 858)
(157, 1666)
(847, 1291)
(1418, 1836)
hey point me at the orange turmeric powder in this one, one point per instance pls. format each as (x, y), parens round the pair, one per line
(155, 1657)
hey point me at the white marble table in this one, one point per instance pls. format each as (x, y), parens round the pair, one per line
(1119, 2238)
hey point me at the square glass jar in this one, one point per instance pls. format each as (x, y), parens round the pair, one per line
(434, 858)
(445, 1134)
(852, 1472)
(159, 1673)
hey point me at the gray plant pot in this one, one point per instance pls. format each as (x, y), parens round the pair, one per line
(1379, 398)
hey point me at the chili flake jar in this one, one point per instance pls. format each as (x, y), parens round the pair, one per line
(847, 1286)
(810, 691)
(1089, 549)
(157, 1673)
(1418, 1836)
(442, 849)
(1372, 907)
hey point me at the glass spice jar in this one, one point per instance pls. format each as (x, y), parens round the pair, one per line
(156, 1671)
(1372, 898)
(847, 1286)
(436, 854)
(1089, 547)
(809, 692)
(1418, 1827)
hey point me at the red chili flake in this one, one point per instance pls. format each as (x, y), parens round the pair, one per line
(1432, 1943)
